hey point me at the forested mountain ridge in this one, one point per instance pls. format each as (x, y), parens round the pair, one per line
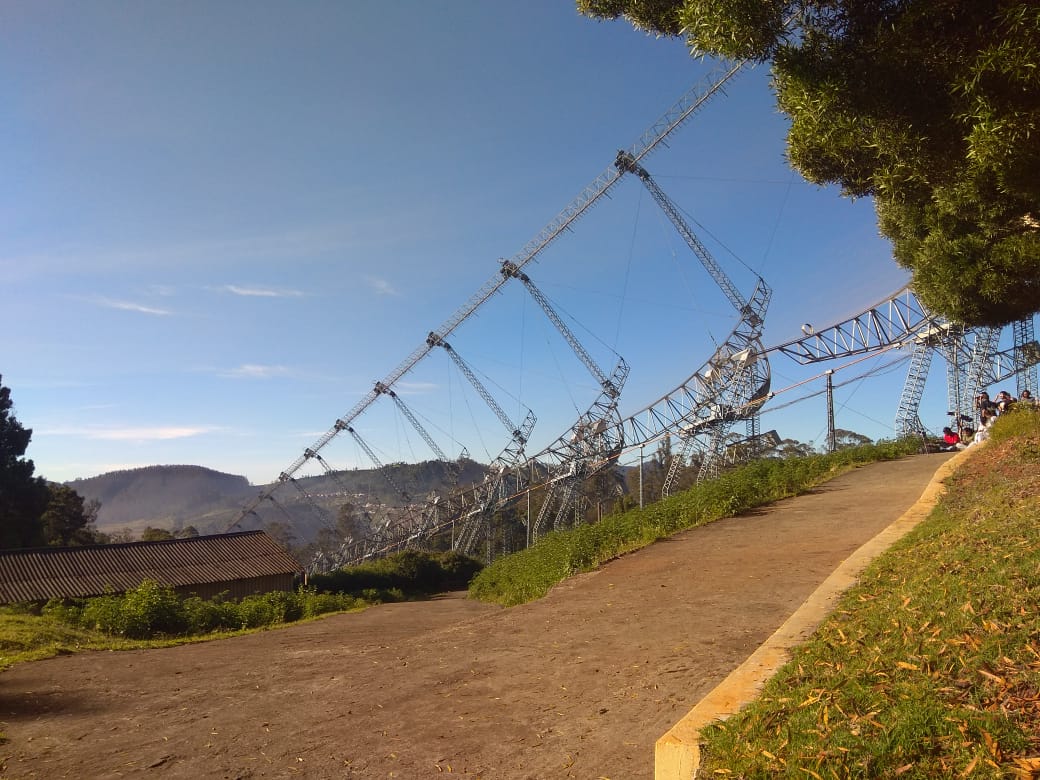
(174, 497)
(161, 496)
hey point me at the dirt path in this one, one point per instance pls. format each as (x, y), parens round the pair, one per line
(579, 684)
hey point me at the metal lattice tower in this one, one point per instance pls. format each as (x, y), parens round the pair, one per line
(1027, 354)
(736, 380)
(908, 421)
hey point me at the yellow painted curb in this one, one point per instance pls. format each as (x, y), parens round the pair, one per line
(677, 753)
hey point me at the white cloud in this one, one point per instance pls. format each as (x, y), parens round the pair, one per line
(140, 308)
(261, 292)
(139, 433)
(415, 388)
(381, 286)
(254, 371)
(151, 434)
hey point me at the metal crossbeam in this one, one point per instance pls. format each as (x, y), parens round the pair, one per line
(889, 322)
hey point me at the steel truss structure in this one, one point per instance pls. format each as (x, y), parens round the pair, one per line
(734, 382)
(730, 388)
(676, 116)
(590, 446)
(903, 322)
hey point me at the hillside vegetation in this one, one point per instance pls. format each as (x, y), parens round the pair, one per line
(162, 496)
(153, 615)
(174, 497)
(530, 574)
(930, 666)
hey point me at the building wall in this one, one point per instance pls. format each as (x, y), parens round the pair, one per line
(238, 589)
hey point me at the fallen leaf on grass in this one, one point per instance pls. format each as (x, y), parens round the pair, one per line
(1026, 768)
(969, 768)
(992, 677)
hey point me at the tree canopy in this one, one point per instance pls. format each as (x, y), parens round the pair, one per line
(68, 519)
(23, 496)
(34, 512)
(931, 107)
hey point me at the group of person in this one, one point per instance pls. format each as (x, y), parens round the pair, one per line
(987, 410)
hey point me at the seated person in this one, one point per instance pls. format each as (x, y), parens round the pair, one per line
(950, 439)
(1004, 400)
(987, 418)
(982, 402)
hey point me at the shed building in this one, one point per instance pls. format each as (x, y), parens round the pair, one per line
(238, 564)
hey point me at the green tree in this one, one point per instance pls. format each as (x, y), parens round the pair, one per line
(23, 496)
(150, 534)
(655, 472)
(792, 448)
(68, 520)
(844, 439)
(282, 533)
(931, 107)
(603, 494)
(349, 523)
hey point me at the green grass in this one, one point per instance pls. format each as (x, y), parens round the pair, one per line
(150, 616)
(930, 666)
(530, 574)
(154, 616)
(25, 637)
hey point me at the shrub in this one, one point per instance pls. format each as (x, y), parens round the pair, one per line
(268, 609)
(204, 616)
(529, 574)
(410, 572)
(1021, 422)
(151, 609)
(322, 603)
(147, 610)
(64, 610)
(104, 614)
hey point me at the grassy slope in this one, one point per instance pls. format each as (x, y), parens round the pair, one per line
(530, 574)
(158, 618)
(930, 666)
(26, 637)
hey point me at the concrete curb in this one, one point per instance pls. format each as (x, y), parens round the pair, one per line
(677, 753)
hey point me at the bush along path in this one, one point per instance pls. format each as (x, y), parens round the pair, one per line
(530, 574)
(154, 615)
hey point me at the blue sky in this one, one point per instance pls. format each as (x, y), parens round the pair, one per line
(222, 222)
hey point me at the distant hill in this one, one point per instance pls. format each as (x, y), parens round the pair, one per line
(173, 497)
(169, 497)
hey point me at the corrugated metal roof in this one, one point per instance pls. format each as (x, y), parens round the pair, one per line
(71, 572)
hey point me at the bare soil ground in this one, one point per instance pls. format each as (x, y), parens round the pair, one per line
(577, 685)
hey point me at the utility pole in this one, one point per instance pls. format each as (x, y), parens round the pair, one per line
(640, 476)
(530, 482)
(831, 443)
